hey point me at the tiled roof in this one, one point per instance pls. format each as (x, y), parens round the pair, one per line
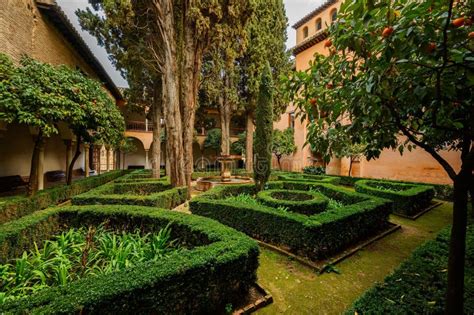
(313, 13)
(310, 42)
(57, 16)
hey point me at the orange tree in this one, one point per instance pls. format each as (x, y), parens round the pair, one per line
(400, 75)
(41, 96)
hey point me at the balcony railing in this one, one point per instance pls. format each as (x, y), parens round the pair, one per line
(139, 126)
(234, 132)
(145, 126)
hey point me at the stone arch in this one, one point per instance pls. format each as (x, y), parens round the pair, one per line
(136, 159)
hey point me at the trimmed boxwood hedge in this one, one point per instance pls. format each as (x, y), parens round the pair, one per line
(235, 172)
(442, 192)
(217, 266)
(150, 193)
(418, 286)
(309, 178)
(408, 199)
(140, 176)
(304, 202)
(317, 236)
(12, 208)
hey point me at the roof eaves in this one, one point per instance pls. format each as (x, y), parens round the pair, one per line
(310, 42)
(57, 16)
(313, 13)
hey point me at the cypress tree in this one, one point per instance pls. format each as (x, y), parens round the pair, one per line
(264, 130)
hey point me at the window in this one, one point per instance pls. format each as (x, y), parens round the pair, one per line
(305, 32)
(333, 15)
(319, 24)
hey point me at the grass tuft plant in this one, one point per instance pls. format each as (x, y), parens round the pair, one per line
(78, 253)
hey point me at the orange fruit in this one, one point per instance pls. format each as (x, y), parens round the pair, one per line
(431, 47)
(459, 22)
(387, 31)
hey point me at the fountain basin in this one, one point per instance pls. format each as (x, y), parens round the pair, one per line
(206, 183)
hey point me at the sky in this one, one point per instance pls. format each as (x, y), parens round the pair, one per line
(295, 10)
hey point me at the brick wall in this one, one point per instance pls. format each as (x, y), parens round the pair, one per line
(24, 30)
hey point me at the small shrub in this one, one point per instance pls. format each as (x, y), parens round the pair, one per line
(314, 170)
(243, 198)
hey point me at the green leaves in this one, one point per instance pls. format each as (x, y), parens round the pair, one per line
(41, 95)
(81, 252)
(283, 142)
(264, 129)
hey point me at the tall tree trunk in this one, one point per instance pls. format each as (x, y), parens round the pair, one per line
(167, 165)
(33, 180)
(156, 153)
(190, 80)
(73, 161)
(225, 116)
(457, 247)
(163, 47)
(351, 160)
(249, 143)
(279, 161)
(174, 131)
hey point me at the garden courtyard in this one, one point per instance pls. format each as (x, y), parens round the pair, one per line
(108, 228)
(233, 173)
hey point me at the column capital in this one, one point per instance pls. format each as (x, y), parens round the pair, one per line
(86, 146)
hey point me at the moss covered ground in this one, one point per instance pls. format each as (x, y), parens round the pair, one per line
(297, 289)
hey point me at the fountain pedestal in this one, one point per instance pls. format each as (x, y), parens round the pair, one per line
(225, 178)
(226, 166)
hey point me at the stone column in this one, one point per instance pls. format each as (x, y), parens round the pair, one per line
(146, 160)
(68, 144)
(108, 158)
(123, 160)
(41, 168)
(86, 159)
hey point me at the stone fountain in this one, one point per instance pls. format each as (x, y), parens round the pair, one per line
(226, 178)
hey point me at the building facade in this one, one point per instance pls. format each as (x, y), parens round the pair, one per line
(418, 166)
(41, 30)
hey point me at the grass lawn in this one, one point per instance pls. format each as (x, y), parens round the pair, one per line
(297, 289)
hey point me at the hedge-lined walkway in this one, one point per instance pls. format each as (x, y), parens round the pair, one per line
(296, 289)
